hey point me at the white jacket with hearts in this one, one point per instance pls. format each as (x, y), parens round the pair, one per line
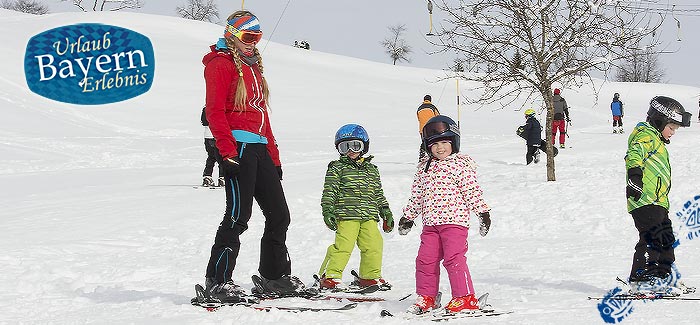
(446, 193)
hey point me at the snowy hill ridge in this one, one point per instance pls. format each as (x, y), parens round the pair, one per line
(102, 223)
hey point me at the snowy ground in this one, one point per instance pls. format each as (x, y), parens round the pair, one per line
(101, 223)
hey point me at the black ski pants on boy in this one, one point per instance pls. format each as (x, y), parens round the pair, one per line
(258, 179)
(653, 254)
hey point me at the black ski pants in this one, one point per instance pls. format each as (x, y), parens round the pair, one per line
(258, 179)
(213, 156)
(530, 155)
(653, 254)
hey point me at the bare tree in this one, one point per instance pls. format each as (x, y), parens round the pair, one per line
(396, 46)
(106, 5)
(27, 6)
(202, 10)
(642, 65)
(521, 48)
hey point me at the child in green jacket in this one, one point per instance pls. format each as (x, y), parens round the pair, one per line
(648, 185)
(352, 204)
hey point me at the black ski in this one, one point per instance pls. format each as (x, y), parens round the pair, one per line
(201, 300)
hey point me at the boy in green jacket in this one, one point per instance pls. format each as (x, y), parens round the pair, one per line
(648, 185)
(352, 204)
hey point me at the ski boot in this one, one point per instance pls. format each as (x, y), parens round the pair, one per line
(459, 304)
(226, 292)
(380, 282)
(285, 286)
(207, 181)
(536, 157)
(424, 304)
(221, 183)
(561, 145)
(331, 284)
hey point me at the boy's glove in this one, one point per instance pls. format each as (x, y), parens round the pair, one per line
(330, 220)
(405, 225)
(279, 171)
(388, 217)
(634, 183)
(484, 223)
(231, 166)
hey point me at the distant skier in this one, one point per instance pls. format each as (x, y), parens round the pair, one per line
(444, 193)
(352, 204)
(561, 117)
(425, 112)
(213, 156)
(617, 113)
(532, 133)
(648, 184)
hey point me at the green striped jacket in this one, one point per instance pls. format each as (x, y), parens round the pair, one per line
(646, 150)
(353, 190)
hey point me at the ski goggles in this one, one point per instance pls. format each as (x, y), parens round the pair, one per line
(350, 145)
(437, 128)
(248, 37)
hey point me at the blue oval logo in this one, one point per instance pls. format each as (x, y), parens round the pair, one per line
(89, 64)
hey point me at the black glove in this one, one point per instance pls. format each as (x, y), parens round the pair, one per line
(634, 183)
(279, 171)
(405, 225)
(388, 217)
(231, 166)
(484, 223)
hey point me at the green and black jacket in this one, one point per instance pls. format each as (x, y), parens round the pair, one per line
(648, 152)
(353, 190)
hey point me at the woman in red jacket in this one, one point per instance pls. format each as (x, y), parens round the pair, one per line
(236, 108)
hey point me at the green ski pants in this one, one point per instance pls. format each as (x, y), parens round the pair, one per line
(369, 241)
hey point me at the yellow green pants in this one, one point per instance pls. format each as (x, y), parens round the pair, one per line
(370, 242)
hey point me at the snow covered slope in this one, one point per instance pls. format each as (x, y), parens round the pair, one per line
(101, 223)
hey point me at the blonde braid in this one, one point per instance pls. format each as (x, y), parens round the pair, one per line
(240, 95)
(266, 90)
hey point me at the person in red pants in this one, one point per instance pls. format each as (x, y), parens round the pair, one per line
(561, 117)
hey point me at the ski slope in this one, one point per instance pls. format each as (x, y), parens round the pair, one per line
(101, 223)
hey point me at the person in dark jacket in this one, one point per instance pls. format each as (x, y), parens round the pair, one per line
(533, 135)
(617, 113)
(213, 156)
(236, 108)
(561, 117)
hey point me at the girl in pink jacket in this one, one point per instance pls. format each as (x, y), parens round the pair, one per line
(444, 193)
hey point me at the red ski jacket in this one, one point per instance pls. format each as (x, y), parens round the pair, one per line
(221, 77)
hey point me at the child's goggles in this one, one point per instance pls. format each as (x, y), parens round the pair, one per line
(435, 128)
(350, 145)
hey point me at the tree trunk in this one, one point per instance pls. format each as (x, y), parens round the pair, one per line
(551, 176)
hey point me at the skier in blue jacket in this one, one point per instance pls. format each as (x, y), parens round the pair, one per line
(618, 112)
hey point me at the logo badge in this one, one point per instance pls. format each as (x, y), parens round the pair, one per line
(89, 64)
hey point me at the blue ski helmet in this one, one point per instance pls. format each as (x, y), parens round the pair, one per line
(352, 132)
(440, 127)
